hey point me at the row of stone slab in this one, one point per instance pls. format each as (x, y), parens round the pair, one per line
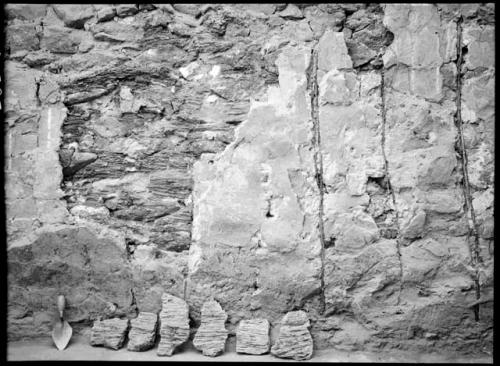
(252, 336)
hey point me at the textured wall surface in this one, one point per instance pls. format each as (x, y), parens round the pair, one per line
(331, 158)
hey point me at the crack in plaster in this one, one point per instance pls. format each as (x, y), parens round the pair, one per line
(469, 208)
(388, 180)
(313, 88)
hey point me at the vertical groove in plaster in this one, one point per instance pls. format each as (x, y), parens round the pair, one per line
(86, 263)
(133, 302)
(184, 286)
(388, 180)
(185, 273)
(318, 161)
(469, 208)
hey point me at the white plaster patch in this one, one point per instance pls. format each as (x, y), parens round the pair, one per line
(152, 52)
(212, 98)
(468, 115)
(126, 93)
(137, 182)
(195, 253)
(130, 146)
(215, 71)
(209, 135)
(432, 137)
(477, 165)
(89, 211)
(189, 69)
(356, 182)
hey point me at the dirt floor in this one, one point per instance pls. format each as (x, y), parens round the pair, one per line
(80, 349)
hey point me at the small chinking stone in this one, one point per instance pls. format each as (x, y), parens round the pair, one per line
(142, 332)
(294, 340)
(252, 337)
(174, 324)
(212, 334)
(109, 333)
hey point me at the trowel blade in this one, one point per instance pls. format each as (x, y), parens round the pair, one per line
(61, 334)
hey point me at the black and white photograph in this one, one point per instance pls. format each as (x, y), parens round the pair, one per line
(249, 182)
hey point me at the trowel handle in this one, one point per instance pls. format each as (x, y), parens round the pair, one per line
(61, 303)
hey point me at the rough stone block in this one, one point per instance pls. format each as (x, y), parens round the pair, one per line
(252, 337)
(109, 333)
(191, 9)
(105, 13)
(415, 226)
(125, 10)
(294, 340)
(39, 58)
(22, 36)
(352, 230)
(60, 40)
(74, 16)
(332, 52)
(119, 31)
(142, 332)
(212, 334)
(480, 42)
(25, 11)
(174, 324)
(291, 12)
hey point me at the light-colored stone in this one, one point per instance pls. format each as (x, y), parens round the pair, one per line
(124, 10)
(480, 42)
(109, 333)
(415, 226)
(25, 11)
(142, 334)
(291, 12)
(191, 9)
(212, 333)
(39, 58)
(74, 16)
(252, 337)
(22, 36)
(174, 324)
(117, 31)
(105, 13)
(294, 340)
(332, 52)
(58, 39)
(338, 87)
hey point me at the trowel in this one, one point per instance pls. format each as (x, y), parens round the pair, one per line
(61, 334)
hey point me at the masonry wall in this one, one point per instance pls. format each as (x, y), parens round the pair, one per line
(335, 158)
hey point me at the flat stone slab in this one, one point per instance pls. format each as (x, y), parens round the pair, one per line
(142, 332)
(174, 324)
(294, 340)
(252, 337)
(212, 334)
(109, 333)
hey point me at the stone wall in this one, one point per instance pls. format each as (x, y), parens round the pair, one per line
(334, 158)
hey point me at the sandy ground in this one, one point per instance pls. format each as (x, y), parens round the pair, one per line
(80, 349)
